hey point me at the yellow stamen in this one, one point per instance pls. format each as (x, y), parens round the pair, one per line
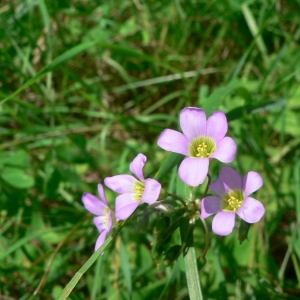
(202, 151)
(202, 147)
(233, 200)
(139, 190)
(234, 203)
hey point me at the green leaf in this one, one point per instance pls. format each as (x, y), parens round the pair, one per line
(161, 236)
(172, 160)
(19, 158)
(243, 231)
(17, 178)
(125, 265)
(286, 121)
(246, 110)
(172, 253)
(213, 102)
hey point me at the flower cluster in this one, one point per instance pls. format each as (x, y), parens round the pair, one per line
(134, 192)
(201, 140)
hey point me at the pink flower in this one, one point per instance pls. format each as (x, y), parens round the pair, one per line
(134, 191)
(100, 208)
(233, 198)
(201, 140)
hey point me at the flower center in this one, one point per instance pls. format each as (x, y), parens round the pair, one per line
(138, 190)
(202, 147)
(233, 201)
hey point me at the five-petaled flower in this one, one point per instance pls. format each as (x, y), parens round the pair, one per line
(104, 215)
(233, 198)
(201, 140)
(133, 191)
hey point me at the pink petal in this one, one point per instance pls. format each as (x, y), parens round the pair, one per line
(101, 222)
(151, 191)
(223, 223)
(102, 194)
(101, 239)
(174, 141)
(252, 181)
(193, 122)
(210, 205)
(217, 186)
(93, 204)
(226, 150)
(121, 183)
(230, 179)
(217, 126)
(125, 206)
(193, 171)
(251, 210)
(137, 165)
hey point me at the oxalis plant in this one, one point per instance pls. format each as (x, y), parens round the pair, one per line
(201, 140)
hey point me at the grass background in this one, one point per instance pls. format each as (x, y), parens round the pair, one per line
(87, 85)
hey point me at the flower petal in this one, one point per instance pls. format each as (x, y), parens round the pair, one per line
(101, 239)
(137, 165)
(217, 126)
(210, 205)
(104, 222)
(193, 122)
(193, 171)
(93, 204)
(125, 206)
(223, 223)
(151, 191)
(230, 179)
(121, 183)
(110, 220)
(217, 186)
(174, 141)
(226, 150)
(101, 222)
(102, 194)
(251, 210)
(252, 181)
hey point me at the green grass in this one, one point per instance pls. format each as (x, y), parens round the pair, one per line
(87, 85)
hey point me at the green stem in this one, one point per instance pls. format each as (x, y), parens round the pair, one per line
(178, 198)
(73, 282)
(207, 186)
(207, 240)
(190, 261)
(192, 275)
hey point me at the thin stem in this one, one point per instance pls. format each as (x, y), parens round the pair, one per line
(178, 198)
(207, 239)
(208, 183)
(73, 282)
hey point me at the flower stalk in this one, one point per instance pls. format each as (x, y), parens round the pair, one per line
(191, 268)
(192, 275)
